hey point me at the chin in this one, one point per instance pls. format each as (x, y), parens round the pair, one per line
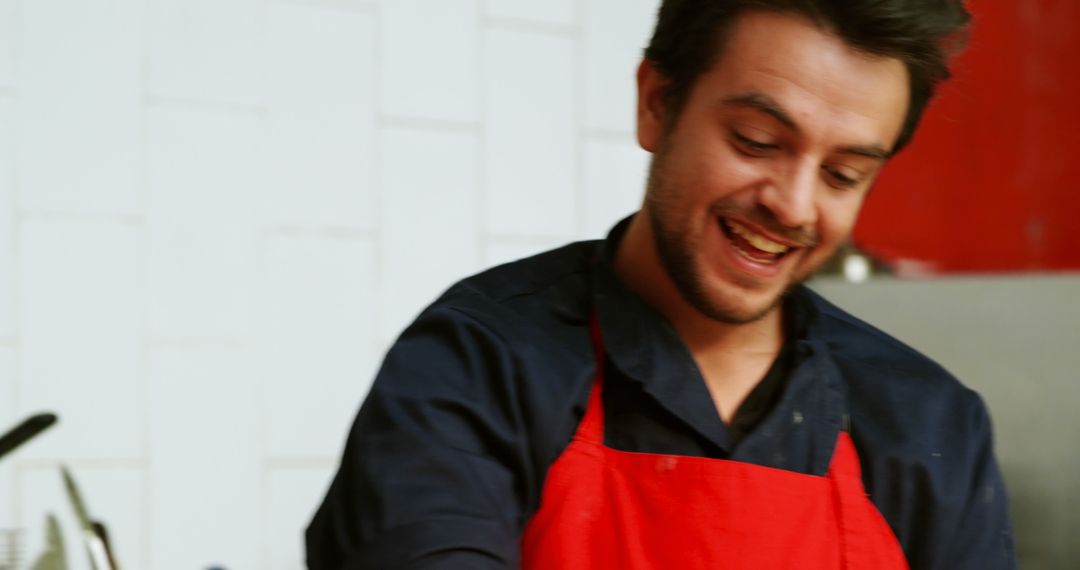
(740, 311)
(730, 297)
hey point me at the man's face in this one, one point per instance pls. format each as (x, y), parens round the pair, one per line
(762, 174)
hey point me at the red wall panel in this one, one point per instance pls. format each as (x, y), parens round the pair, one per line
(992, 180)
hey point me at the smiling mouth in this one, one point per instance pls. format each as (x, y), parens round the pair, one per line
(753, 246)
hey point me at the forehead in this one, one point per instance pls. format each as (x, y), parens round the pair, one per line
(822, 82)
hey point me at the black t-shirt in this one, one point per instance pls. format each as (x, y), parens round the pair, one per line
(635, 421)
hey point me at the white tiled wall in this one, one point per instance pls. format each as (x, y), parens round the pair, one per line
(317, 341)
(79, 105)
(530, 133)
(203, 198)
(293, 493)
(204, 464)
(7, 42)
(611, 57)
(81, 338)
(562, 12)
(429, 181)
(614, 170)
(7, 223)
(428, 59)
(320, 105)
(216, 214)
(206, 50)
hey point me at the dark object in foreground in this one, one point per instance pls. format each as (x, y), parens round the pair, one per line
(25, 431)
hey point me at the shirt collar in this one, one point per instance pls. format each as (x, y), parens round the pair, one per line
(646, 348)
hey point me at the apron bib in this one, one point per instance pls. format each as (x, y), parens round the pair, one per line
(607, 509)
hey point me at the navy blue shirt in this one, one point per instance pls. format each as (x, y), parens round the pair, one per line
(446, 461)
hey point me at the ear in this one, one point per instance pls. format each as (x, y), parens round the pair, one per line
(651, 113)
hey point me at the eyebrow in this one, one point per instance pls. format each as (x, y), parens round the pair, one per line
(872, 151)
(766, 104)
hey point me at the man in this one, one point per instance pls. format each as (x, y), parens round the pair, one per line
(672, 397)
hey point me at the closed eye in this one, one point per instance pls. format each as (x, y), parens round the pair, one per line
(752, 147)
(838, 179)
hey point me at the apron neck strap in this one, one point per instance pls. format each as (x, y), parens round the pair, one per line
(591, 428)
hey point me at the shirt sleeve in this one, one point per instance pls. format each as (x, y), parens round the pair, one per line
(982, 539)
(435, 470)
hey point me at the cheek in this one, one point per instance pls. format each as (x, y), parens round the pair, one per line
(716, 157)
(705, 157)
(838, 215)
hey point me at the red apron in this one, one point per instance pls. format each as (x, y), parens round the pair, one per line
(608, 509)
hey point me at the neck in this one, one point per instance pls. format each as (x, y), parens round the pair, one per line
(638, 265)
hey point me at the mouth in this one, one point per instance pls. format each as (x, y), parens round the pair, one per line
(753, 246)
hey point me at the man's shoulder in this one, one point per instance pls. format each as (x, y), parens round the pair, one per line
(853, 340)
(520, 327)
(524, 277)
(925, 444)
(879, 368)
(543, 294)
(893, 387)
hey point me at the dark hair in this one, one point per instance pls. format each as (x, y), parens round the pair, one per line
(690, 36)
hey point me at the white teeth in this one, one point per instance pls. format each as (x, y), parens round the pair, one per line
(761, 242)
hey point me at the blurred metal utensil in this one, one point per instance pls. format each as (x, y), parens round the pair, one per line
(94, 534)
(53, 557)
(10, 549)
(25, 431)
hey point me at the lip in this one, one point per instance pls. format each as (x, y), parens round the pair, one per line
(762, 232)
(748, 267)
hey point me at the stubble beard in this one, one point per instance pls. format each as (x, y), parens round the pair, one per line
(676, 253)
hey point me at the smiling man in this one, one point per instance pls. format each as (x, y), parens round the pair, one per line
(672, 396)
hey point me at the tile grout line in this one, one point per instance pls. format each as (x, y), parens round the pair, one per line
(322, 232)
(607, 135)
(151, 99)
(524, 239)
(82, 217)
(90, 463)
(154, 342)
(17, 263)
(580, 104)
(147, 512)
(259, 326)
(357, 6)
(378, 180)
(482, 142)
(428, 124)
(283, 462)
(525, 25)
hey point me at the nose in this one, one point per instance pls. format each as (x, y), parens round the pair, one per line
(791, 196)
